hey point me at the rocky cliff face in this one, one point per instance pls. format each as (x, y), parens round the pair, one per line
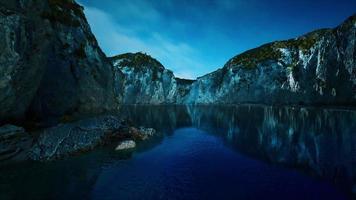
(148, 82)
(51, 64)
(315, 69)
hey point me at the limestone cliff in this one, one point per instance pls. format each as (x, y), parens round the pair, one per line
(318, 68)
(146, 81)
(50, 62)
(314, 69)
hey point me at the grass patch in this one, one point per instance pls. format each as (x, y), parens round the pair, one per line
(250, 59)
(139, 61)
(303, 43)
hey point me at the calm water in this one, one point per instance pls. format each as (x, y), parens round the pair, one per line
(244, 152)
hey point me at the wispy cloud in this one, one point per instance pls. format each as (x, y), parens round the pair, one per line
(116, 38)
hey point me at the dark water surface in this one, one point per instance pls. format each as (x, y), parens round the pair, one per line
(227, 152)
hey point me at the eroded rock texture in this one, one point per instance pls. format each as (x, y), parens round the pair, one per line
(318, 68)
(50, 62)
(66, 139)
(146, 81)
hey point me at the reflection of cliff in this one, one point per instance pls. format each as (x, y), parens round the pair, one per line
(321, 142)
(162, 118)
(318, 141)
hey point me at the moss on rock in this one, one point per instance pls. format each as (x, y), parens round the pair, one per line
(250, 59)
(138, 60)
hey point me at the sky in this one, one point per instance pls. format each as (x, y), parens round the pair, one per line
(195, 37)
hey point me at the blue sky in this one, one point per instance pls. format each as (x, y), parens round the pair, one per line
(194, 37)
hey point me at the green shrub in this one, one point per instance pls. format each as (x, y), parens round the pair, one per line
(303, 43)
(140, 60)
(251, 58)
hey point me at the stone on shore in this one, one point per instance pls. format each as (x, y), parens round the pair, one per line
(126, 144)
(84, 135)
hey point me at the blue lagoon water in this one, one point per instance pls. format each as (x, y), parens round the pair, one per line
(226, 152)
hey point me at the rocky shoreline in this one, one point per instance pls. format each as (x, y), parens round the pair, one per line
(66, 139)
(52, 69)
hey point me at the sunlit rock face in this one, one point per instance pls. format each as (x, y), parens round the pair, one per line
(146, 81)
(317, 68)
(51, 64)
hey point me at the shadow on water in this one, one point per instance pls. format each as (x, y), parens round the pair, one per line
(70, 178)
(318, 142)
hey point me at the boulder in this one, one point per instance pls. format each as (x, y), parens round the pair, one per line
(126, 144)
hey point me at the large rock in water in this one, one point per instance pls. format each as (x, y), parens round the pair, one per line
(83, 135)
(50, 62)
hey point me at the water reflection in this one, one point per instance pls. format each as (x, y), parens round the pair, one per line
(321, 142)
(72, 178)
(318, 142)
